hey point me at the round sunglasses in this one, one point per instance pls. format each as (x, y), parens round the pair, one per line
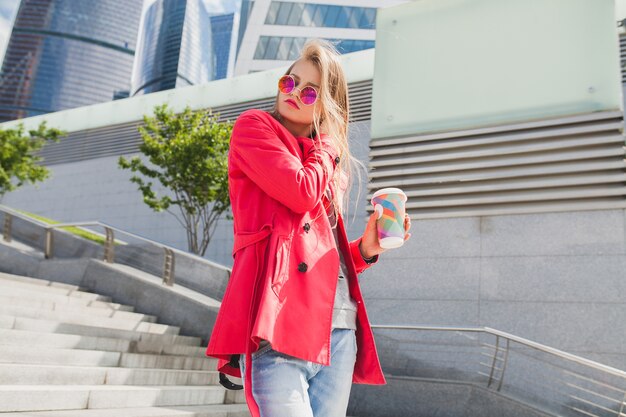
(308, 94)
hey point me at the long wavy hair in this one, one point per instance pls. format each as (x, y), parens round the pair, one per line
(335, 107)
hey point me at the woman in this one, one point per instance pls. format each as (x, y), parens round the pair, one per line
(292, 323)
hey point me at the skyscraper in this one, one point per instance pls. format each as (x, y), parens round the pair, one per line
(65, 53)
(272, 33)
(222, 30)
(175, 47)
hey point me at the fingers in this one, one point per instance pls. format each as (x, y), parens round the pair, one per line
(407, 226)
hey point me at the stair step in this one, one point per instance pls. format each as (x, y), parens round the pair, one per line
(215, 410)
(62, 313)
(55, 327)
(18, 285)
(70, 341)
(94, 322)
(72, 397)
(37, 355)
(143, 360)
(170, 349)
(45, 302)
(76, 357)
(37, 281)
(30, 294)
(63, 341)
(36, 374)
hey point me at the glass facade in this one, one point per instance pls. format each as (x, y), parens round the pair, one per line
(65, 53)
(320, 15)
(175, 47)
(222, 30)
(196, 63)
(288, 48)
(246, 9)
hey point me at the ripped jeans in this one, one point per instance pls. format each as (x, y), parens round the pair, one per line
(286, 386)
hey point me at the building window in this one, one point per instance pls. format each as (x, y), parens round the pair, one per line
(283, 13)
(272, 47)
(261, 47)
(331, 17)
(307, 15)
(283, 49)
(288, 48)
(368, 19)
(320, 15)
(272, 13)
(296, 14)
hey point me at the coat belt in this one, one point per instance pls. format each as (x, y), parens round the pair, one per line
(248, 238)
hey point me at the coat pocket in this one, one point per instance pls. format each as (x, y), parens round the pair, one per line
(281, 270)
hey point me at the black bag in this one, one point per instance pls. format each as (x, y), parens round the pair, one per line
(227, 383)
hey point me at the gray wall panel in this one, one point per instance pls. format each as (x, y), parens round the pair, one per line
(580, 278)
(426, 279)
(568, 233)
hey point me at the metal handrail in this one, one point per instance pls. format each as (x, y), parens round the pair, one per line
(607, 370)
(109, 245)
(537, 346)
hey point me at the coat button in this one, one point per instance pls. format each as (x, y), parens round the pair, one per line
(306, 227)
(302, 267)
(337, 160)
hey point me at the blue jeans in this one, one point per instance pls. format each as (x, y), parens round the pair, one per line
(286, 386)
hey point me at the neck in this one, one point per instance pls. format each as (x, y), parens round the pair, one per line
(297, 129)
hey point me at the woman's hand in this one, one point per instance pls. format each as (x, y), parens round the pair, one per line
(369, 243)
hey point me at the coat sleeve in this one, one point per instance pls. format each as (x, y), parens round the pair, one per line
(266, 160)
(359, 262)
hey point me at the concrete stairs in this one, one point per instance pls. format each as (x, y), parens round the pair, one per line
(65, 352)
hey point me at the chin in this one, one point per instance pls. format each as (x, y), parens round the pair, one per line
(289, 115)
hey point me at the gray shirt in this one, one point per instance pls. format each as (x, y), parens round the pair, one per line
(344, 309)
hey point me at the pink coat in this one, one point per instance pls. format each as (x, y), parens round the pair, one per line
(284, 275)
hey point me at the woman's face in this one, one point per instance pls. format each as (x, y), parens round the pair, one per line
(289, 105)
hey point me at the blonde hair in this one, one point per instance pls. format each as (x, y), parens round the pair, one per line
(335, 107)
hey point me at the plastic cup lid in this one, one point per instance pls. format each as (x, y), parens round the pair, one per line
(390, 190)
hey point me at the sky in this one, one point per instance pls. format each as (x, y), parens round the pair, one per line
(8, 10)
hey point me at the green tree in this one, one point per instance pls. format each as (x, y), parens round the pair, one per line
(188, 156)
(18, 162)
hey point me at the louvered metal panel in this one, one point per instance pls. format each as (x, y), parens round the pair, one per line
(125, 138)
(622, 54)
(572, 163)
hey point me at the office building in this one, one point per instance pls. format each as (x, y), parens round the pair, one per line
(222, 31)
(64, 54)
(271, 33)
(175, 47)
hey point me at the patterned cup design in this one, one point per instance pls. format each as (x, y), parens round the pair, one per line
(389, 204)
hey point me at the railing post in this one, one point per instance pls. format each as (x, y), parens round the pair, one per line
(109, 246)
(168, 267)
(8, 220)
(505, 360)
(622, 406)
(493, 363)
(48, 249)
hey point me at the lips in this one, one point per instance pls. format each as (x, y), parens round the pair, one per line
(292, 103)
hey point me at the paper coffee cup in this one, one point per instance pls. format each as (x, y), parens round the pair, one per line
(389, 203)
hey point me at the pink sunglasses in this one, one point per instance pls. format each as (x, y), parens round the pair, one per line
(308, 94)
